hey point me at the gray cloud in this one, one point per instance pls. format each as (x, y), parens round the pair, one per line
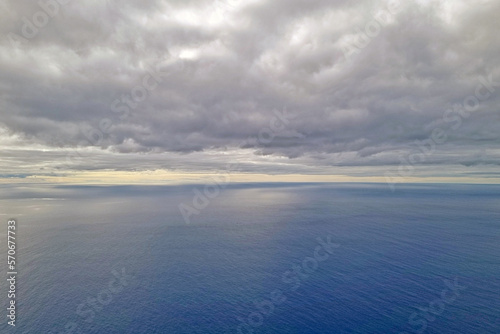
(221, 68)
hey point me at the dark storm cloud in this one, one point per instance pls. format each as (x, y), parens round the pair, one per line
(168, 78)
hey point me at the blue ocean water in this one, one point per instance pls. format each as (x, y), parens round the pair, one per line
(121, 259)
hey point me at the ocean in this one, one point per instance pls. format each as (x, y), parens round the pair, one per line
(254, 258)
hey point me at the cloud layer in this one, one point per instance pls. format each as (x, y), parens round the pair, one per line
(282, 86)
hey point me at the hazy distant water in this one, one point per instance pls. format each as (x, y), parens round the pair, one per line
(395, 251)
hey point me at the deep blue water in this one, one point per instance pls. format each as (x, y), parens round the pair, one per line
(422, 259)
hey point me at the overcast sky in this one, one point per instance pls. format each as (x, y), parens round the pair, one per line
(349, 89)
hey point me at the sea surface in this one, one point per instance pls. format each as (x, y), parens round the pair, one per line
(122, 259)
